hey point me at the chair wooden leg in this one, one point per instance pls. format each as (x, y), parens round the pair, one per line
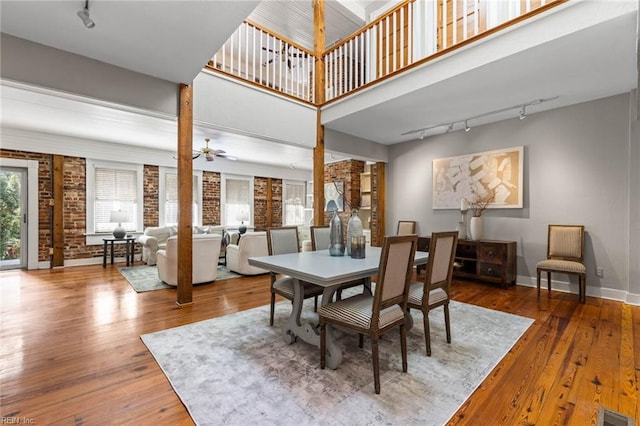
(323, 344)
(339, 294)
(549, 280)
(538, 281)
(447, 323)
(360, 340)
(403, 347)
(273, 306)
(583, 288)
(315, 304)
(427, 333)
(376, 363)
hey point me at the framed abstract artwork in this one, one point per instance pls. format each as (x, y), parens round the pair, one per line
(494, 176)
(333, 198)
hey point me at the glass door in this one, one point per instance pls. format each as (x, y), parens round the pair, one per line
(13, 217)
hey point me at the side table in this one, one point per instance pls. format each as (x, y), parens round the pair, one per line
(129, 243)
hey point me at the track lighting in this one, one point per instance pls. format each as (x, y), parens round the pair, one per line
(422, 133)
(85, 17)
(523, 114)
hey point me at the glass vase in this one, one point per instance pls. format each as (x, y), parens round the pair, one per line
(336, 237)
(354, 229)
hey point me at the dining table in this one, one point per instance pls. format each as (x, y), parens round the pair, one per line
(329, 272)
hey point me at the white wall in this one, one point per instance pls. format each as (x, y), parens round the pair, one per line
(576, 171)
(240, 108)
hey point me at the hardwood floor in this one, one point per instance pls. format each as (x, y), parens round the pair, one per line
(71, 352)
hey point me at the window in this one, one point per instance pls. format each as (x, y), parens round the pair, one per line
(294, 195)
(236, 200)
(168, 197)
(113, 187)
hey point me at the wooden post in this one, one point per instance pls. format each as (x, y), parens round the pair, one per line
(57, 228)
(185, 196)
(380, 197)
(318, 151)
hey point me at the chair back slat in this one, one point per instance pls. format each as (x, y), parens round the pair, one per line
(566, 242)
(320, 237)
(282, 240)
(394, 272)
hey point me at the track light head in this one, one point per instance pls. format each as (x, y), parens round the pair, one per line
(523, 113)
(421, 135)
(83, 14)
(466, 126)
(450, 128)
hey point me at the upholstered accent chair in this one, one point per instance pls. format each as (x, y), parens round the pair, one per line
(251, 244)
(382, 312)
(565, 254)
(406, 227)
(205, 252)
(284, 240)
(434, 291)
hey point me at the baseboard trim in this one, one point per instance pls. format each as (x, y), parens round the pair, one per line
(566, 287)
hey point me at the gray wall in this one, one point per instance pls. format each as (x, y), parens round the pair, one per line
(576, 171)
(29, 62)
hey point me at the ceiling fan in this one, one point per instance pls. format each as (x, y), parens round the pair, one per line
(286, 55)
(210, 154)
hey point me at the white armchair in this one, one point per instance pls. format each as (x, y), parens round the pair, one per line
(251, 244)
(206, 250)
(153, 239)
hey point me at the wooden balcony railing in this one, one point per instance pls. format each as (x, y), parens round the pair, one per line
(410, 34)
(259, 56)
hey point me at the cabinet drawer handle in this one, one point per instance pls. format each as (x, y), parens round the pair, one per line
(490, 271)
(491, 254)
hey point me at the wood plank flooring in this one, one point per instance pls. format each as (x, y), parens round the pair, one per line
(71, 353)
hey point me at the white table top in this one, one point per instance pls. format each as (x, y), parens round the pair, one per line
(318, 267)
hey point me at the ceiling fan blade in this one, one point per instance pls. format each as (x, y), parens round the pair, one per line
(194, 155)
(269, 50)
(228, 157)
(219, 151)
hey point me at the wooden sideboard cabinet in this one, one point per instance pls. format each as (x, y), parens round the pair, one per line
(485, 260)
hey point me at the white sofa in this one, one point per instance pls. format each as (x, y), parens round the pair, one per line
(251, 244)
(206, 250)
(155, 238)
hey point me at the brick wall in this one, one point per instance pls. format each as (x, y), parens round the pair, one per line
(347, 171)
(210, 198)
(260, 219)
(75, 200)
(151, 202)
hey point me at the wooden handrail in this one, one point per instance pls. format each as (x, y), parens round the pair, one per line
(280, 37)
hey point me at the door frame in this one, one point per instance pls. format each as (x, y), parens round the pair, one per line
(32, 192)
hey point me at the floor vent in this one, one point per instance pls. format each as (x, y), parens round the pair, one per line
(611, 418)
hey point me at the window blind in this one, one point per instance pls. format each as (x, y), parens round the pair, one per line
(115, 190)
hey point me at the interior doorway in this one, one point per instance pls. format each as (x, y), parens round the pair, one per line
(13, 217)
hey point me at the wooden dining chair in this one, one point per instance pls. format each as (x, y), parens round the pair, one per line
(382, 312)
(320, 237)
(284, 240)
(406, 227)
(565, 254)
(434, 291)
(320, 241)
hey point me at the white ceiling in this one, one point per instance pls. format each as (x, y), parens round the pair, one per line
(172, 39)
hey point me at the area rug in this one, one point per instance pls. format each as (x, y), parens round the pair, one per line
(145, 278)
(236, 370)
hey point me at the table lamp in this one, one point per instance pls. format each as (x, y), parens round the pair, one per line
(242, 216)
(118, 217)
